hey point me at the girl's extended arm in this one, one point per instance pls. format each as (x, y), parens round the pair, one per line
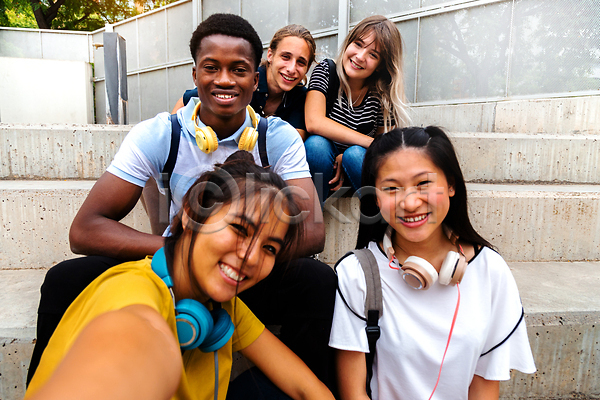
(351, 371)
(285, 369)
(482, 389)
(125, 354)
(318, 123)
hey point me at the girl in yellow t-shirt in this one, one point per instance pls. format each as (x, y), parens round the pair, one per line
(159, 328)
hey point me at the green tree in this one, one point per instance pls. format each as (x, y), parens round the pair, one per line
(81, 15)
(3, 16)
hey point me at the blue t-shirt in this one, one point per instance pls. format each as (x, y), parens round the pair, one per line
(145, 150)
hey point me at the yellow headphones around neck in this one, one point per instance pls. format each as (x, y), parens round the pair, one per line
(206, 138)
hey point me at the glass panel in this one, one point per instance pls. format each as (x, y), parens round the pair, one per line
(98, 56)
(179, 30)
(554, 53)
(72, 47)
(153, 93)
(128, 31)
(408, 30)
(133, 91)
(463, 54)
(100, 97)
(314, 14)
(22, 44)
(180, 80)
(326, 48)
(427, 3)
(359, 9)
(265, 16)
(210, 7)
(152, 37)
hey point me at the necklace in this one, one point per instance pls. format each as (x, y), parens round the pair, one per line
(360, 96)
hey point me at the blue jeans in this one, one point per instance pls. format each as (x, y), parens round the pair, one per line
(321, 153)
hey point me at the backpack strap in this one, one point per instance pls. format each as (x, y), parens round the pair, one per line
(167, 170)
(373, 305)
(262, 142)
(333, 88)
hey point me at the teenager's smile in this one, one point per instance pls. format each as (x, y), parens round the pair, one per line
(412, 194)
(232, 274)
(235, 248)
(225, 97)
(362, 57)
(226, 78)
(288, 64)
(414, 220)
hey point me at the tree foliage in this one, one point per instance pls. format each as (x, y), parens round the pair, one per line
(79, 15)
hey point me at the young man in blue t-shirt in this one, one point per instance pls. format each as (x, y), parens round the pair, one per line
(226, 51)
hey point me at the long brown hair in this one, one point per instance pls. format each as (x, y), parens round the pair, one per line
(387, 82)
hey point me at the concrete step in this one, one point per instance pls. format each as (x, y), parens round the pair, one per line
(35, 218)
(560, 300)
(557, 115)
(525, 222)
(58, 151)
(517, 157)
(562, 310)
(84, 152)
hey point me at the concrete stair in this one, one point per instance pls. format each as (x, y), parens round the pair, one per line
(533, 172)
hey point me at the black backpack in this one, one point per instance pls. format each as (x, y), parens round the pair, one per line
(334, 86)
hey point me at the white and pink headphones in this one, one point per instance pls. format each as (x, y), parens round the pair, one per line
(418, 273)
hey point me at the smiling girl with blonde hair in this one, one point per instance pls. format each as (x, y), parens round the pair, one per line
(368, 99)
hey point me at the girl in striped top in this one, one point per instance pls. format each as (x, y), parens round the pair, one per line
(370, 100)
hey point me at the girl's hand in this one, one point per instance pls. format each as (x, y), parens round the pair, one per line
(338, 178)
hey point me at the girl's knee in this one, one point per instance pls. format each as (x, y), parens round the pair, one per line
(316, 142)
(319, 148)
(354, 156)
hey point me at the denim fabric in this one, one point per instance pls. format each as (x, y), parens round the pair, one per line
(321, 153)
(352, 162)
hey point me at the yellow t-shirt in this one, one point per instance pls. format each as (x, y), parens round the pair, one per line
(135, 283)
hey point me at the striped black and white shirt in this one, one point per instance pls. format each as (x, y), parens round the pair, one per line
(364, 118)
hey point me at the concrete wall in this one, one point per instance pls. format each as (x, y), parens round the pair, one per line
(58, 151)
(560, 115)
(45, 91)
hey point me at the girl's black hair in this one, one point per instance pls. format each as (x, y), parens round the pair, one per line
(237, 179)
(434, 142)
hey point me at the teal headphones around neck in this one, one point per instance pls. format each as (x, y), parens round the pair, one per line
(196, 326)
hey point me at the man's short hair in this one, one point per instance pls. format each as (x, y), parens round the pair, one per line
(229, 25)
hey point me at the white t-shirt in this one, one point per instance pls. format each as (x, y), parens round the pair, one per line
(415, 326)
(145, 150)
